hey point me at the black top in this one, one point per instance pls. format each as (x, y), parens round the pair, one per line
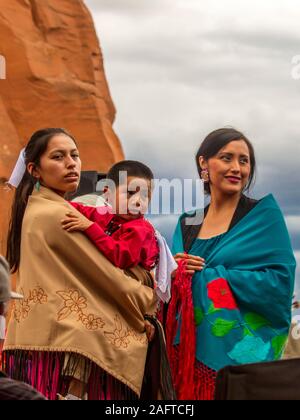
(191, 232)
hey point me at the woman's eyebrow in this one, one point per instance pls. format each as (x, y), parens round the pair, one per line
(57, 151)
(63, 151)
(226, 153)
(232, 154)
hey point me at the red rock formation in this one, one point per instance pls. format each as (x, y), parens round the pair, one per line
(55, 77)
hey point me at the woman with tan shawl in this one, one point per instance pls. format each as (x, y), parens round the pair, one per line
(81, 318)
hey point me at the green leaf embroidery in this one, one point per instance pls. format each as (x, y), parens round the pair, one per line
(222, 327)
(256, 321)
(247, 332)
(212, 310)
(278, 344)
(199, 316)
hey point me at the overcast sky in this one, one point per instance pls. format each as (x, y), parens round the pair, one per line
(178, 69)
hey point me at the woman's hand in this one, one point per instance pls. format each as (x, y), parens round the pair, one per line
(76, 222)
(150, 330)
(193, 265)
(296, 305)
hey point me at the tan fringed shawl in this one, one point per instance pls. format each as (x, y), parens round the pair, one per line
(75, 300)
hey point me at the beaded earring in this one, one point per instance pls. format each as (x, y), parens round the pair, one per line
(38, 185)
(205, 175)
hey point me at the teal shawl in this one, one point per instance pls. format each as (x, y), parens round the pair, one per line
(243, 297)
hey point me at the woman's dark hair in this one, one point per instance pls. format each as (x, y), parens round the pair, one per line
(218, 139)
(132, 168)
(34, 150)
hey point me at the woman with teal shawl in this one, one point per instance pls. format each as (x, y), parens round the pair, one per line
(242, 296)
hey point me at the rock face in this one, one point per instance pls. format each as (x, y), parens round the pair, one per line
(54, 78)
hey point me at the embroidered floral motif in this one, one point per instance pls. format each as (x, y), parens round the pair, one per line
(255, 321)
(74, 303)
(120, 336)
(38, 296)
(199, 316)
(278, 344)
(222, 327)
(250, 350)
(91, 323)
(21, 311)
(212, 310)
(23, 307)
(220, 293)
(141, 338)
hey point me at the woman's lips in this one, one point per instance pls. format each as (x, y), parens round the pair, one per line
(233, 180)
(72, 178)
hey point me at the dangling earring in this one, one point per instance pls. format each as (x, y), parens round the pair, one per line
(38, 185)
(205, 175)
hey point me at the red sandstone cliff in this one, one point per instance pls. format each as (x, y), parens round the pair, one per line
(55, 77)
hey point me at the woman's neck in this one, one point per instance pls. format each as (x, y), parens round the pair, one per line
(219, 216)
(221, 203)
(58, 192)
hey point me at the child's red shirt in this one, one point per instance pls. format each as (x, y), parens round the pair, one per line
(125, 243)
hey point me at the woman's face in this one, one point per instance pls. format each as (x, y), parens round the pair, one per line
(60, 165)
(230, 169)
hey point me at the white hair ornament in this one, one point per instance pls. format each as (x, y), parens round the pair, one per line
(18, 172)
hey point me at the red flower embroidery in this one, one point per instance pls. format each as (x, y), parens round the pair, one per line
(220, 293)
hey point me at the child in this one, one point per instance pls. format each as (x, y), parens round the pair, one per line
(121, 232)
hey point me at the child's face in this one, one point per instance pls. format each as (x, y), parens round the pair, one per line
(131, 199)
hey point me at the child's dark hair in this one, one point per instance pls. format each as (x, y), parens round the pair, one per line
(218, 139)
(34, 150)
(132, 168)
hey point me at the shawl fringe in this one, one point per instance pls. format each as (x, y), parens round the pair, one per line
(51, 373)
(182, 365)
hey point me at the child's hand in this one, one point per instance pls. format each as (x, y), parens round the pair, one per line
(75, 222)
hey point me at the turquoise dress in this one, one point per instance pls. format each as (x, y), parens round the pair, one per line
(243, 297)
(204, 247)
